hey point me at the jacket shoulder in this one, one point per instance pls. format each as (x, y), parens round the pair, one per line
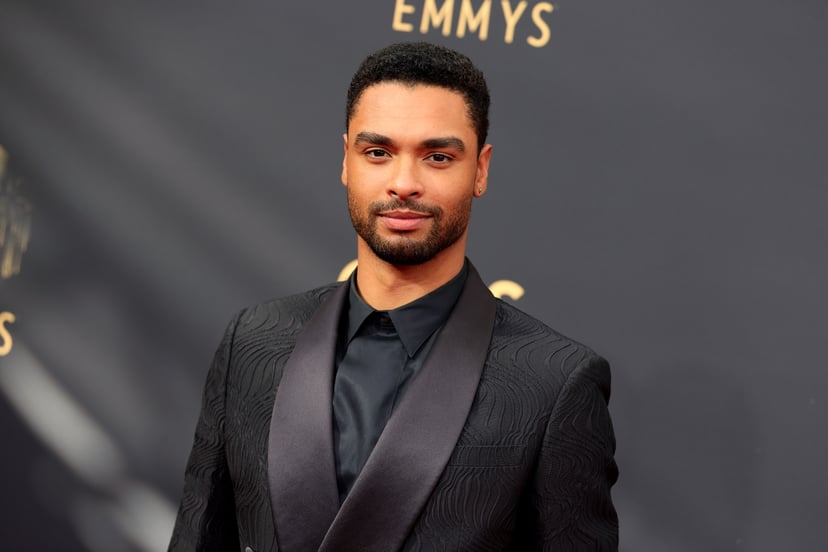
(285, 315)
(522, 340)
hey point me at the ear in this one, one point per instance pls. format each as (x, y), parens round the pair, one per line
(481, 178)
(345, 159)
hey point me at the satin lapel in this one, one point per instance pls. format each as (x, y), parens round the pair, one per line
(301, 468)
(419, 438)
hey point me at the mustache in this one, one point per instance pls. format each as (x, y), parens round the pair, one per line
(411, 205)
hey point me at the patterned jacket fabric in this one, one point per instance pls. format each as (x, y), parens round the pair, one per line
(532, 468)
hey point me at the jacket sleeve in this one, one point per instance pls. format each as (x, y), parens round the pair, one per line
(576, 467)
(206, 518)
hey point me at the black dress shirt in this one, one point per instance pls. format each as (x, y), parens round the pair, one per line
(378, 353)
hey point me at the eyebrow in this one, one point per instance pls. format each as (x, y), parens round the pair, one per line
(373, 138)
(431, 143)
(447, 142)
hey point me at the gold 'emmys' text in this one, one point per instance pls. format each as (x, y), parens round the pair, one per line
(461, 17)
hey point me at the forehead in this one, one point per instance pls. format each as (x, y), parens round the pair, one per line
(419, 107)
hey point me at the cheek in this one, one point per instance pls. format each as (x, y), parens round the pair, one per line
(358, 201)
(365, 179)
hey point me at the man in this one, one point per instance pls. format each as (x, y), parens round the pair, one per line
(406, 409)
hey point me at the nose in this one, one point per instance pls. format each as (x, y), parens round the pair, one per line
(405, 182)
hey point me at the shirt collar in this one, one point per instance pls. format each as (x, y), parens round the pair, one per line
(414, 321)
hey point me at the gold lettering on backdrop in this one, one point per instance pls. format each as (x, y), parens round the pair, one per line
(543, 39)
(500, 288)
(15, 222)
(507, 288)
(6, 341)
(345, 273)
(474, 17)
(474, 21)
(401, 9)
(432, 17)
(512, 17)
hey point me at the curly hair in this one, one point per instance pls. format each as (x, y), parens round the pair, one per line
(414, 63)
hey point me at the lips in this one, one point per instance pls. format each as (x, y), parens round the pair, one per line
(403, 220)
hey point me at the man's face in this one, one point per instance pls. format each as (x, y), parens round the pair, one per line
(411, 167)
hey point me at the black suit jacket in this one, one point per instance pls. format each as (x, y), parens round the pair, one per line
(502, 442)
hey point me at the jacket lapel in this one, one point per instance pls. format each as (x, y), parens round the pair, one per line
(418, 439)
(301, 469)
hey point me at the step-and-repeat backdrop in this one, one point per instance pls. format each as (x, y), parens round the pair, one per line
(658, 191)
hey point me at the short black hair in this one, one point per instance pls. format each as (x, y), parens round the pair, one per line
(430, 64)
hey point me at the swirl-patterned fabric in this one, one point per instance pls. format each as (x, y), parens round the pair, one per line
(532, 468)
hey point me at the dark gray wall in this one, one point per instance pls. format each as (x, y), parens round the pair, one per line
(658, 188)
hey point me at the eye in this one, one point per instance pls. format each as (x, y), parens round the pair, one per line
(440, 158)
(376, 153)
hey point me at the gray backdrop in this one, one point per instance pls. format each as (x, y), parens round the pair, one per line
(661, 165)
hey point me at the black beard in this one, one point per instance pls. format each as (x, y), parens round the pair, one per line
(404, 250)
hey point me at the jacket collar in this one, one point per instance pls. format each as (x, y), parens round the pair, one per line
(411, 452)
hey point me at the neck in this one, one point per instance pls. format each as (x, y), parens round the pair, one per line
(385, 286)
